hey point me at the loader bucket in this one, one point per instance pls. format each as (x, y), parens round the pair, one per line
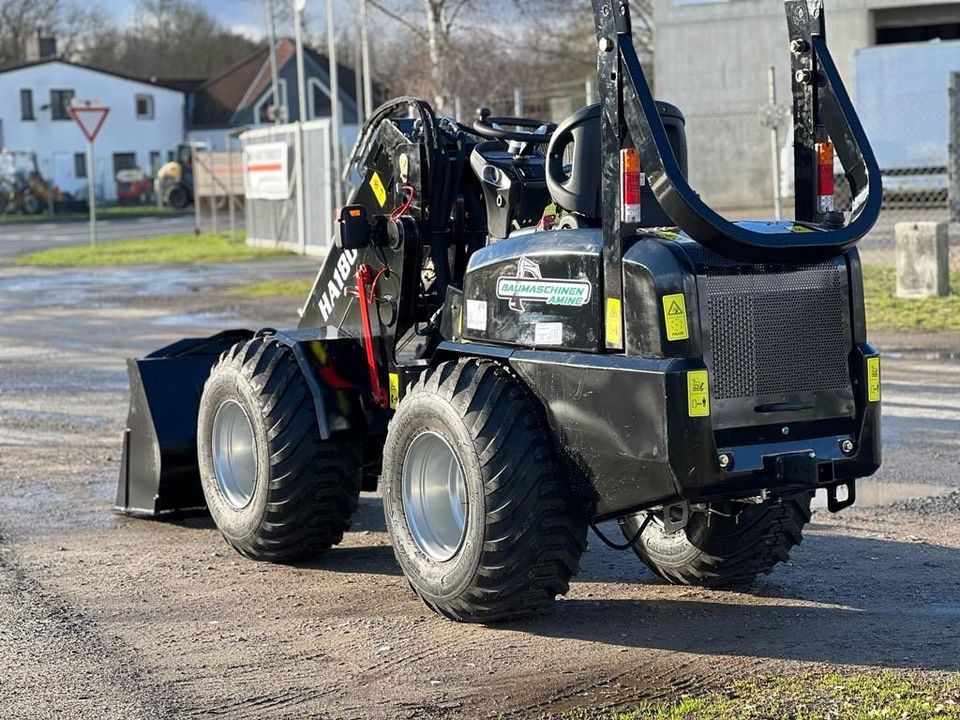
(159, 474)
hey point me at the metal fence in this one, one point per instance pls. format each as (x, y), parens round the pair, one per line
(272, 216)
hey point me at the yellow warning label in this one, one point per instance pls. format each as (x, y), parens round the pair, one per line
(394, 390)
(873, 379)
(376, 184)
(698, 393)
(614, 323)
(675, 317)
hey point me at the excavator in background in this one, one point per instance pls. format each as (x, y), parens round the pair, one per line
(22, 188)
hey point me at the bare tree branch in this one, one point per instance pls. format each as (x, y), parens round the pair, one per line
(398, 18)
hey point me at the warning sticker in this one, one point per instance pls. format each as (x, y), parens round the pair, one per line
(873, 379)
(698, 393)
(548, 334)
(376, 184)
(614, 322)
(394, 390)
(675, 317)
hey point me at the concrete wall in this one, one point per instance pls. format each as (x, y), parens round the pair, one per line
(711, 61)
(57, 141)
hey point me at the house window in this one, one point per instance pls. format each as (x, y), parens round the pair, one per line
(60, 101)
(124, 161)
(79, 165)
(26, 105)
(144, 107)
(154, 162)
(320, 106)
(263, 110)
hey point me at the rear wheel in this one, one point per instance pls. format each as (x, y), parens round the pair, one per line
(31, 204)
(177, 197)
(482, 521)
(276, 490)
(725, 548)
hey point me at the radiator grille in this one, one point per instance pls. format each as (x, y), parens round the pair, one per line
(779, 332)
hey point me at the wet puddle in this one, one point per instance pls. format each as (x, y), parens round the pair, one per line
(871, 493)
(200, 319)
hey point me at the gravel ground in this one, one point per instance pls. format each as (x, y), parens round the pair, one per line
(108, 617)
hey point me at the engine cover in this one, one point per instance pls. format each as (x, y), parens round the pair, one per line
(538, 290)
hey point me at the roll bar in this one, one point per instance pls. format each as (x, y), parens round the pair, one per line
(821, 110)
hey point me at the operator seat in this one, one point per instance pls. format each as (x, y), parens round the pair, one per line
(575, 166)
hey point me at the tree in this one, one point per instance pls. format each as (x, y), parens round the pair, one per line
(533, 44)
(71, 23)
(171, 39)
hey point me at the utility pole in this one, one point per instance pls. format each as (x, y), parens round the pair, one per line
(358, 79)
(367, 68)
(274, 77)
(334, 105)
(775, 145)
(301, 169)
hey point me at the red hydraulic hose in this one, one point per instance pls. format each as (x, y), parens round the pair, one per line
(363, 281)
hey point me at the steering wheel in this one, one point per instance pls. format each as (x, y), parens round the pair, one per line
(492, 127)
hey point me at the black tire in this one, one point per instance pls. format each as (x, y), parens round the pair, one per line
(178, 197)
(306, 489)
(524, 532)
(31, 204)
(723, 550)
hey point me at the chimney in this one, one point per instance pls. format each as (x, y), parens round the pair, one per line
(40, 46)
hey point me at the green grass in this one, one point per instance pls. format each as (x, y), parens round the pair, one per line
(106, 213)
(885, 311)
(882, 696)
(164, 250)
(275, 288)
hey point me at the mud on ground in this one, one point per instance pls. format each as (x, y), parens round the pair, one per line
(108, 617)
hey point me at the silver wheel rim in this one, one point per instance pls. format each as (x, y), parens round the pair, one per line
(434, 496)
(234, 454)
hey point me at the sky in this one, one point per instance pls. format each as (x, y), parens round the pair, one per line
(247, 17)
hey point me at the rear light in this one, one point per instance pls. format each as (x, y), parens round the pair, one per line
(631, 182)
(825, 189)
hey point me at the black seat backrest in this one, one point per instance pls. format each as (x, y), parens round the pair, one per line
(577, 139)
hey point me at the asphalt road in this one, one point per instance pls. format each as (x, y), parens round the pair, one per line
(19, 238)
(111, 617)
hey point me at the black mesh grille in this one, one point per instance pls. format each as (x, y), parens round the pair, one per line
(779, 332)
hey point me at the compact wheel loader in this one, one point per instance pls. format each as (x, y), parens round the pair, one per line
(524, 330)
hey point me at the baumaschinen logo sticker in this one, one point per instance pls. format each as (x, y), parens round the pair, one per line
(529, 285)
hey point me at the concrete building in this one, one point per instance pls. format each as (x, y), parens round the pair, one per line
(712, 60)
(146, 122)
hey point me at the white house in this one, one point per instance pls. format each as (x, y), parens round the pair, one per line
(146, 122)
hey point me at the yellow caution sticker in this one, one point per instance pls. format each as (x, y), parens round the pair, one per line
(698, 393)
(394, 390)
(675, 317)
(873, 379)
(376, 184)
(614, 322)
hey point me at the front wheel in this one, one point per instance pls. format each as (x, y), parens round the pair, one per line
(276, 489)
(729, 545)
(482, 521)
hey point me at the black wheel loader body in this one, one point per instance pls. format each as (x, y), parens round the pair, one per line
(680, 358)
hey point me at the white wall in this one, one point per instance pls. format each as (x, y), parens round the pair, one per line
(57, 141)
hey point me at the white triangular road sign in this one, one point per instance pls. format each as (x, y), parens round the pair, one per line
(90, 118)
